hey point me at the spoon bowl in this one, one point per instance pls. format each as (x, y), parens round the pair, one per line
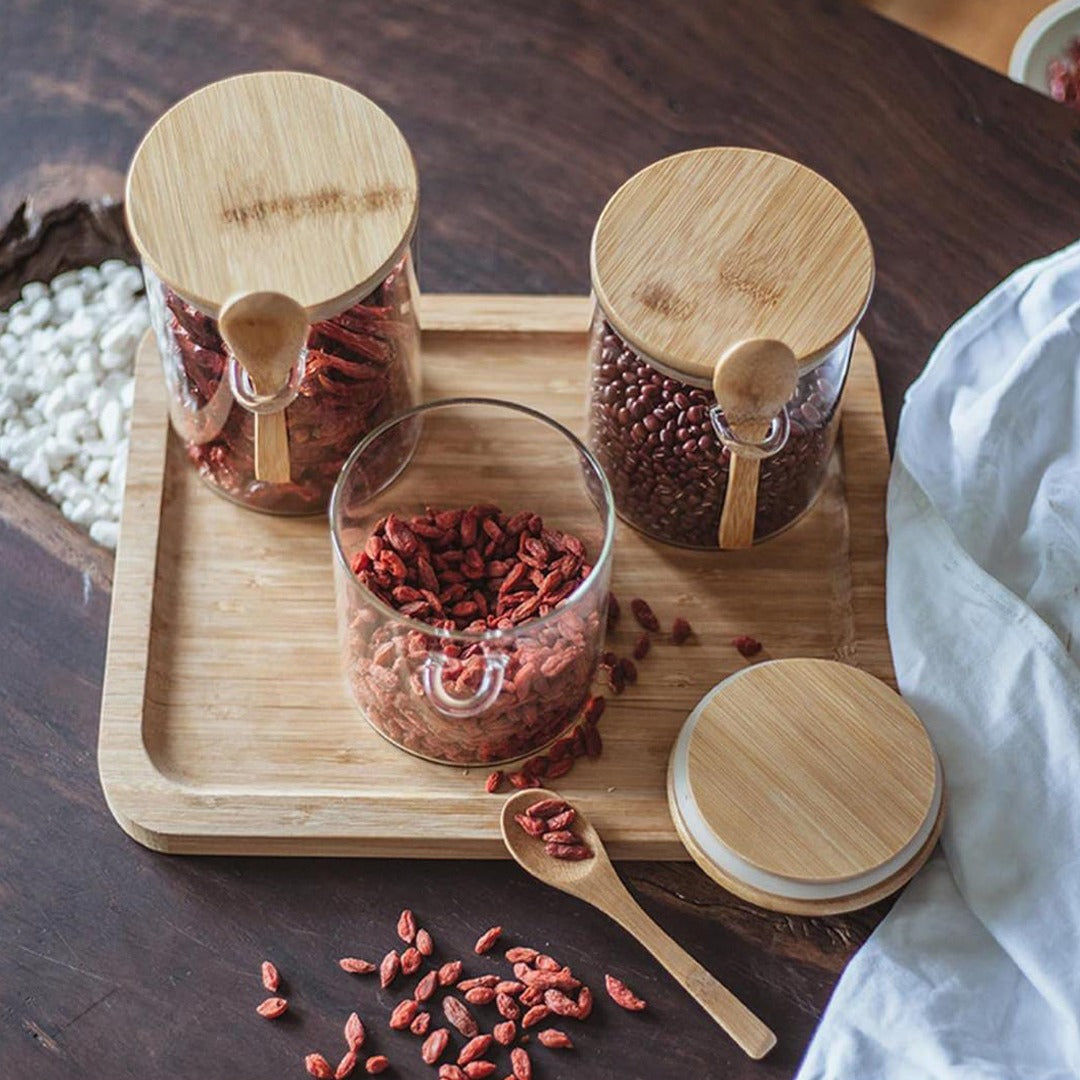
(595, 881)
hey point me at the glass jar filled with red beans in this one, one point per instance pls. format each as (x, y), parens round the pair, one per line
(691, 257)
(292, 187)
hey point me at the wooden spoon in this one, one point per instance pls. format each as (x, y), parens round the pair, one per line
(595, 881)
(752, 382)
(266, 331)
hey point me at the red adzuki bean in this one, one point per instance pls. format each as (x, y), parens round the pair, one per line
(747, 645)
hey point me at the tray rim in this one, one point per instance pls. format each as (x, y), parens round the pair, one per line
(143, 800)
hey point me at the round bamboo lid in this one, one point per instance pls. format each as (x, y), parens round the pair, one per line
(275, 182)
(806, 786)
(711, 247)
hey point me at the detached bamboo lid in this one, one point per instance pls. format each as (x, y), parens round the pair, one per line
(806, 786)
(275, 182)
(712, 247)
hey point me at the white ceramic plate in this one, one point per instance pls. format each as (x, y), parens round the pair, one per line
(1045, 38)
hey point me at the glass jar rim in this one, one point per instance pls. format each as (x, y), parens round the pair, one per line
(491, 635)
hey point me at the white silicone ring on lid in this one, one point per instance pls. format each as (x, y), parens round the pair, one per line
(734, 866)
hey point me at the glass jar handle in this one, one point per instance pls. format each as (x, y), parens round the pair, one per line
(243, 390)
(432, 676)
(775, 439)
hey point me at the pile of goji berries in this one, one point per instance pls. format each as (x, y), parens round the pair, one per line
(538, 992)
(551, 820)
(585, 741)
(473, 570)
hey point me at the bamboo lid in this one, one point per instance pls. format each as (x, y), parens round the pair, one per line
(708, 248)
(806, 786)
(276, 182)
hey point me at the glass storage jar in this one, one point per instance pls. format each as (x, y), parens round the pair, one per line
(278, 192)
(694, 259)
(472, 558)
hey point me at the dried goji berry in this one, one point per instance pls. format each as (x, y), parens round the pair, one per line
(318, 1067)
(355, 966)
(558, 769)
(376, 1064)
(555, 1039)
(680, 630)
(459, 1016)
(450, 972)
(622, 995)
(424, 945)
(520, 954)
(272, 1007)
(270, 977)
(480, 995)
(504, 1033)
(354, 1032)
(434, 1046)
(534, 1016)
(411, 960)
(426, 986)
(487, 939)
(493, 782)
(421, 1023)
(404, 1013)
(406, 927)
(345, 1065)
(474, 1048)
(521, 1063)
(479, 1070)
(389, 968)
(546, 808)
(642, 646)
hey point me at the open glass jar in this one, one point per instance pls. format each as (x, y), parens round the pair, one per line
(259, 200)
(704, 263)
(472, 558)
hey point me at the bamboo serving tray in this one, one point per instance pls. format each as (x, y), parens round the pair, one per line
(225, 726)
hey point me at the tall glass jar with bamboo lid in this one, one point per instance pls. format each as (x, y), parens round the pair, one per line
(274, 214)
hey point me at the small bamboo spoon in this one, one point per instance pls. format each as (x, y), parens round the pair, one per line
(266, 331)
(752, 382)
(595, 881)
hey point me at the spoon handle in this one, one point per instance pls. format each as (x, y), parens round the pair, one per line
(272, 448)
(720, 1003)
(740, 503)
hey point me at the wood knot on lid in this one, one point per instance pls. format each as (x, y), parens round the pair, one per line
(664, 300)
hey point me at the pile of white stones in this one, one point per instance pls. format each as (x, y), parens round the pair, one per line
(67, 357)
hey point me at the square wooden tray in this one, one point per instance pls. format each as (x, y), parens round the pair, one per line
(225, 726)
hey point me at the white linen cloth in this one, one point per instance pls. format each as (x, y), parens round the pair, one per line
(975, 973)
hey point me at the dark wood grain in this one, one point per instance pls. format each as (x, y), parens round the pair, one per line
(115, 962)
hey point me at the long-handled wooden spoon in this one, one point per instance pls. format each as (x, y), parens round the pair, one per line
(752, 382)
(595, 881)
(266, 331)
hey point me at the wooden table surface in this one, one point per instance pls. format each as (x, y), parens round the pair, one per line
(115, 962)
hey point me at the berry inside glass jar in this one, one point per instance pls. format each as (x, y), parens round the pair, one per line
(655, 438)
(516, 586)
(359, 370)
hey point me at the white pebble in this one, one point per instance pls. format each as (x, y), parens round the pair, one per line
(33, 291)
(105, 533)
(111, 421)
